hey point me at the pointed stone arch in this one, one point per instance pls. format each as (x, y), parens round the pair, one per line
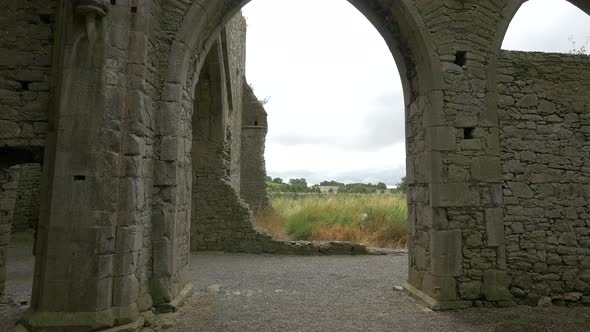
(409, 40)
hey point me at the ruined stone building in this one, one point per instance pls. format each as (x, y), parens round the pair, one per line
(151, 145)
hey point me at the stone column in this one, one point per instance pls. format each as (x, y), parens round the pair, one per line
(457, 257)
(86, 257)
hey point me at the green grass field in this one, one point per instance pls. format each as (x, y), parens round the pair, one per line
(377, 220)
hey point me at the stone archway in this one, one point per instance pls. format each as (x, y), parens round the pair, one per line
(115, 226)
(410, 45)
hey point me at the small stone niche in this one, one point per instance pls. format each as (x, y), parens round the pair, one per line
(461, 58)
(24, 85)
(79, 178)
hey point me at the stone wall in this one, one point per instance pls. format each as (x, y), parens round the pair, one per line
(544, 119)
(26, 41)
(8, 185)
(26, 55)
(218, 214)
(221, 209)
(254, 129)
(220, 219)
(26, 207)
(115, 224)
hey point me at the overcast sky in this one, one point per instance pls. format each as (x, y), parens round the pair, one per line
(336, 103)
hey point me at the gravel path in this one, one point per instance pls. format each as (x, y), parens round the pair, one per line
(19, 281)
(336, 293)
(241, 293)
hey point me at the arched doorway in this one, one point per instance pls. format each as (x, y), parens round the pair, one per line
(409, 44)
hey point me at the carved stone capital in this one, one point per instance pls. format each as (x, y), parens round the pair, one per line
(98, 8)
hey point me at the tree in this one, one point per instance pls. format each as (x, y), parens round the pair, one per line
(301, 181)
(403, 185)
(268, 179)
(331, 184)
(277, 180)
(381, 186)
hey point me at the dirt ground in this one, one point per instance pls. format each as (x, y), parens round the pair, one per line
(240, 292)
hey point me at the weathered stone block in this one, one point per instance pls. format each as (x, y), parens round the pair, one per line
(520, 189)
(473, 239)
(471, 144)
(428, 167)
(495, 227)
(486, 169)
(496, 285)
(470, 290)
(454, 194)
(165, 173)
(435, 217)
(125, 290)
(441, 138)
(446, 257)
(529, 100)
(9, 129)
(419, 257)
(568, 239)
(440, 288)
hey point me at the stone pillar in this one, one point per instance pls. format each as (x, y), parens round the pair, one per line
(8, 184)
(457, 254)
(87, 250)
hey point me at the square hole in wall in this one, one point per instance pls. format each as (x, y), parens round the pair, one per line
(468, 133)
(461, 58)
(114, 2)
(24, 85)
(134, 9)
(79, 178)
(45, 18)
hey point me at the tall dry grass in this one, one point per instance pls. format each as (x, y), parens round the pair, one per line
(377, 220)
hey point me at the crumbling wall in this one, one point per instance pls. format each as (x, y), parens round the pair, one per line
(544, 119)
(220, 219)
(254, 129)
(26, 41)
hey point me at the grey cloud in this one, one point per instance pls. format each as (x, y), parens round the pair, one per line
(383, 125)
(385, 121)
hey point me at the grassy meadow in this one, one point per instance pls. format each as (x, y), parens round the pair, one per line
(376, 220)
